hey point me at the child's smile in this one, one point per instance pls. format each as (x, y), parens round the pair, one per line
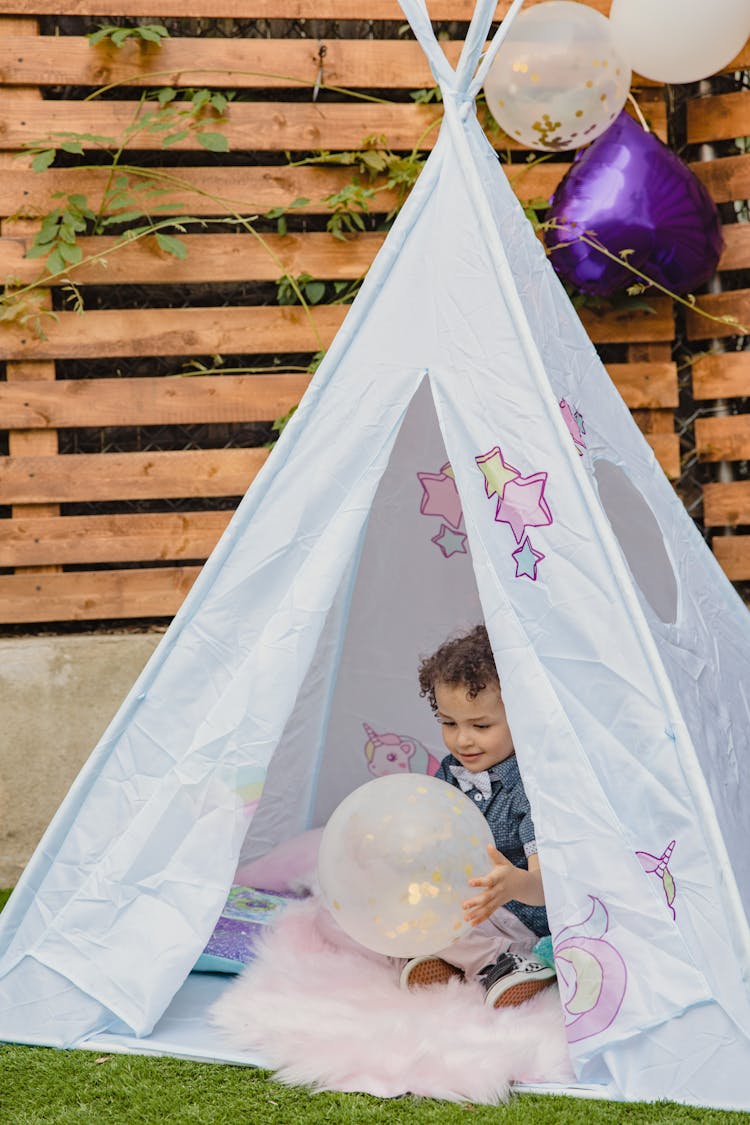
(475, 730)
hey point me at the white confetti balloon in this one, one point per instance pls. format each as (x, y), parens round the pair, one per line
(558, 80)
(395, 862)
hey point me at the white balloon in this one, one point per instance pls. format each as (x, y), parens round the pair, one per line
(558, 80)
(679, 40)
(395, 862)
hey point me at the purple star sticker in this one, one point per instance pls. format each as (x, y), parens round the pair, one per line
(574, 422)
(440, 496)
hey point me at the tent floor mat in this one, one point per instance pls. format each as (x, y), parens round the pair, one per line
(185, 1032)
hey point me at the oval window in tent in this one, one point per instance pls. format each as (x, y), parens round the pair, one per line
(639, 535)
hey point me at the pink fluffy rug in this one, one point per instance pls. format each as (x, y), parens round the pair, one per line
(329, 1015)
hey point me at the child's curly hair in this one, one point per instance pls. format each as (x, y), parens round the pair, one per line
(464, 660)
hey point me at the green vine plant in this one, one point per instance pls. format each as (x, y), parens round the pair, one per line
(133, 197)
(377, 169)
(316, 291)
(142, 34)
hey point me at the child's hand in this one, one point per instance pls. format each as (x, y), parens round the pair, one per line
(501, 885)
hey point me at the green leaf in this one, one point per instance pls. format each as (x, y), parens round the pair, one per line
(316, 361)
(37, 250)
(81, 202)
(165, 95)
(159, 124)
(301, 201)
(373, 161)
(119, 199)
(43, 159)
(71, 254)
(173, 138)
(172, 245)
(104, 32)
(150, 35)
(280, 423)
(72, 146)
(201, 98)
(121, 36)
(122, 217)
(55, 262)
(97, 139)
(46, 238)
(219, 102)
(49, 225)
(214, 142)
(281, 227)
(315, 291)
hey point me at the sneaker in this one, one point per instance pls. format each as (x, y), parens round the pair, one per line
(422, 972)
(513, 980)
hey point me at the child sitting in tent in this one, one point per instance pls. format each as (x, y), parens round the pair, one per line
(508, 915)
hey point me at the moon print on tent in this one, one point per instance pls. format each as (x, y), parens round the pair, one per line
(440, 498)
(659, 866)
(591, 973)
(396, 753)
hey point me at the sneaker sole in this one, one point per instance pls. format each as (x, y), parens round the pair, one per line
(435, 971)
(521, 992)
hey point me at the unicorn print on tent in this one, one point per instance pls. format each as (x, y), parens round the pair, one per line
(396, 753)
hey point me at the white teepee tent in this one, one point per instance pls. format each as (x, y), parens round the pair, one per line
(461, 453)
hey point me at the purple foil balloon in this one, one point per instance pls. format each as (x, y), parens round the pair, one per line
(633, 193)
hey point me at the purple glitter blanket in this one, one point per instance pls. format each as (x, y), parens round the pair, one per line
(245, 914)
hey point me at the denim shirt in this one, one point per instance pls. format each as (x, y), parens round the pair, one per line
(508, 814)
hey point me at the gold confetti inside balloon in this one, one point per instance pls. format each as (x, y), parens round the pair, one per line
(558, 80)
(395, 862)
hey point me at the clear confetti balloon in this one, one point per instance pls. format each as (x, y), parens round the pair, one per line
(395, 862)
(558, 80)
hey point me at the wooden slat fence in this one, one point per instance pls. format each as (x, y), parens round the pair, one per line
(87, 535)
(721, 373)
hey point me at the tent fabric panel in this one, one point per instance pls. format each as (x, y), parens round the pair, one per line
(706, 652)
(414, 588)
(283, 811)
(671, 726)
(697, 1058)
(234, 728)
(604, 881)
(40, 1007)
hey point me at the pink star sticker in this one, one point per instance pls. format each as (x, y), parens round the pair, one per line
(523, 505)
(574, 428)
(440, 497)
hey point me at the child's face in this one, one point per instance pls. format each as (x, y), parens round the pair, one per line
(475, 730)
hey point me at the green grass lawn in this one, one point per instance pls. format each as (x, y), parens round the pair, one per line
(44, 1086)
